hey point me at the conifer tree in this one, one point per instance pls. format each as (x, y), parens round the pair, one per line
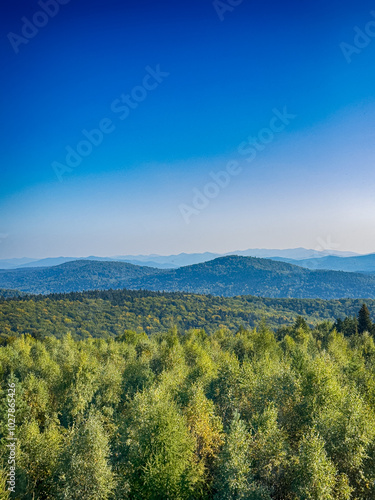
(364, 320)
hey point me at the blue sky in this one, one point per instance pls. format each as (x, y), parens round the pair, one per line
(224, 70)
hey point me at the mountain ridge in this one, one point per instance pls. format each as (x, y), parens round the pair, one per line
(177, 260)
(360, 263)
(224, 276)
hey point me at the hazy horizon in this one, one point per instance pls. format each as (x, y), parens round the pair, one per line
(113, 256)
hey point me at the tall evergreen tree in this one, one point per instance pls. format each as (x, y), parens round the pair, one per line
(364, 320)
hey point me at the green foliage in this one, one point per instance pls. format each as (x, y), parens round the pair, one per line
(314, 474)
(158, 451)
(39, 456)
(269, 450)
(84, 470)
(234, 479)
(4, 492)
(239, 414)
(207, 431)
(128, 314)
(364, 320)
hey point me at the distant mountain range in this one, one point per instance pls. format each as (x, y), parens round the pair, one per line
(359, 263)
(224, 276)
(175, 261)
(13, 263)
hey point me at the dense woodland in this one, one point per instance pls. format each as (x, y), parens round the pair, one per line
(186, 415)
(108, 313)
(225, 276)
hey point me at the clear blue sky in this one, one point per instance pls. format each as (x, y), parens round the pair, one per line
(221, 73)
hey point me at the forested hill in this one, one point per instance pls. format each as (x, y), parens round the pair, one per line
(224, 276)
(111, 312)
(234, 275)
(10, 293)
(74, 276)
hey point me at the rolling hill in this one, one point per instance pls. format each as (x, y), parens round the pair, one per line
(234, 275)
(76, 275)
(224, 276)
(55, 261)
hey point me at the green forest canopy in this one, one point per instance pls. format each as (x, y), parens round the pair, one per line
(251, 415)
(109, 313)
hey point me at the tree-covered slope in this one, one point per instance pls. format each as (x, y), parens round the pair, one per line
(234, 275)
(109, 313)
(224, 276)
(74, 276)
